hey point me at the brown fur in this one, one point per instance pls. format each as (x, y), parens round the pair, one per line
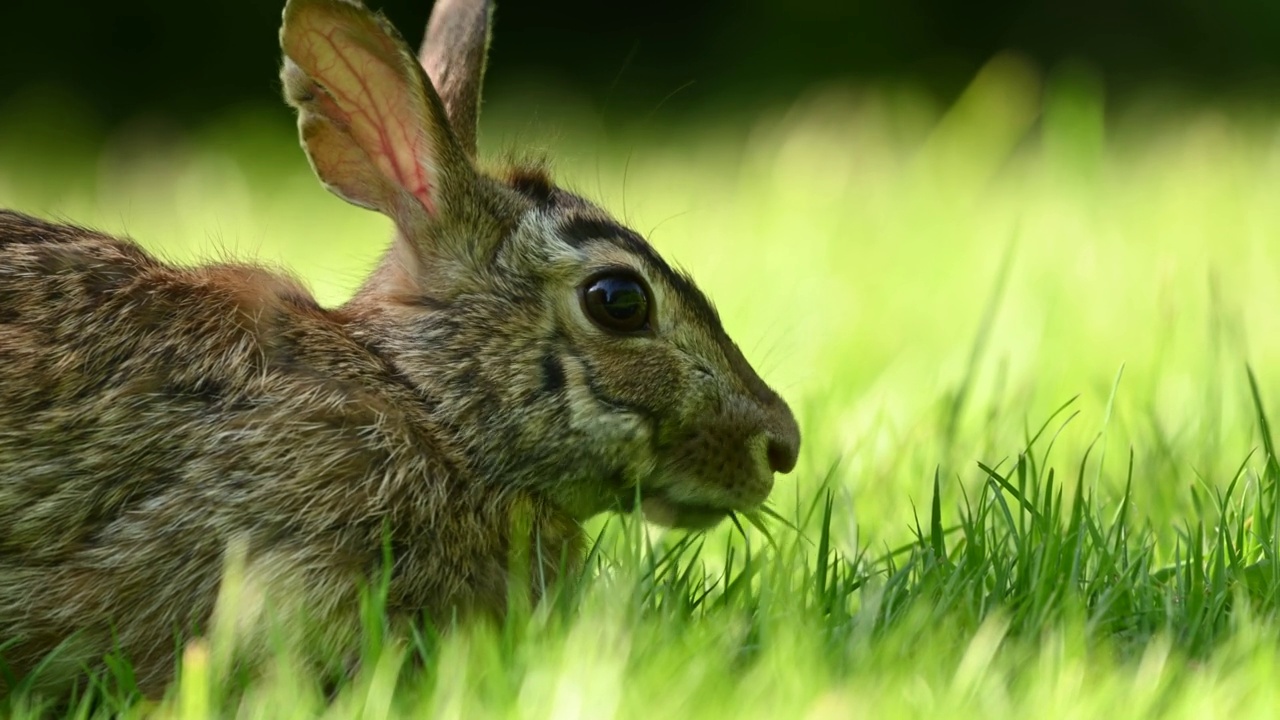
(151, 416)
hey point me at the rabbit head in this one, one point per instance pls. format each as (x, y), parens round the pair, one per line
(566, 356)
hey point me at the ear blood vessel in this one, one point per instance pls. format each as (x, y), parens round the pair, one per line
(481, 395)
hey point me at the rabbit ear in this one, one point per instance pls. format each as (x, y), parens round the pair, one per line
(372, 126)
(453, 54)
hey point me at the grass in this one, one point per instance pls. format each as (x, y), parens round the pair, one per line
(1031, 340)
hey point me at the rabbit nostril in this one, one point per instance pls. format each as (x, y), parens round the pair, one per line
(782, 454)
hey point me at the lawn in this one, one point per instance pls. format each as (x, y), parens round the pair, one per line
(1031, 337)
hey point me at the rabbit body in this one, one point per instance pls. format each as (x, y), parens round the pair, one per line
(516, 363)
(150, 415)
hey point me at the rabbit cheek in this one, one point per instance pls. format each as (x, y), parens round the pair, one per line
(617, 438)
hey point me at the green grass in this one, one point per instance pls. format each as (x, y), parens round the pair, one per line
(1033, 351)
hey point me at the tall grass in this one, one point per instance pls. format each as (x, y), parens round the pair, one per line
(1032, 343)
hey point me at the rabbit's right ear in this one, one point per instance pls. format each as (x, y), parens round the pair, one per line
(453, 54)
(373, 128)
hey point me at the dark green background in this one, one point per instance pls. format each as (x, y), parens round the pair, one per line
(186, 59)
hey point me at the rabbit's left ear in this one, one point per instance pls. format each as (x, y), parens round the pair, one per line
(453, 54)
(374, 129)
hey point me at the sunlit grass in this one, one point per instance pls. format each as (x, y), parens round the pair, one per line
(1015, 331)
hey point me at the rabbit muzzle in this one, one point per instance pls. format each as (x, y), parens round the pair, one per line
(726, 465)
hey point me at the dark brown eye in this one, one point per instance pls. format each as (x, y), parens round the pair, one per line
(617, 301)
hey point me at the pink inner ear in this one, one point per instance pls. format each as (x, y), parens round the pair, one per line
(383, 110)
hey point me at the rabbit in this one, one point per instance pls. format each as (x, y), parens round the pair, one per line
(516, 363)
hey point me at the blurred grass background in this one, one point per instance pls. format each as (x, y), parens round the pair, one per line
(925, 277)
(874, 251)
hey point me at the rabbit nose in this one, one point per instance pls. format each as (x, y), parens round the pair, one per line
(782, 451)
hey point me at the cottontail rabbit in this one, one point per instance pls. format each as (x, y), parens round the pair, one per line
(516, 351)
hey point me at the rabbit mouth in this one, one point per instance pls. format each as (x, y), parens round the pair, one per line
(688, 516)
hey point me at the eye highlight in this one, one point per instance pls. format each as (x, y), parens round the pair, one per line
(617, 301)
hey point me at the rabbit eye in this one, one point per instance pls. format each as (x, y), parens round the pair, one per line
(617, 301)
